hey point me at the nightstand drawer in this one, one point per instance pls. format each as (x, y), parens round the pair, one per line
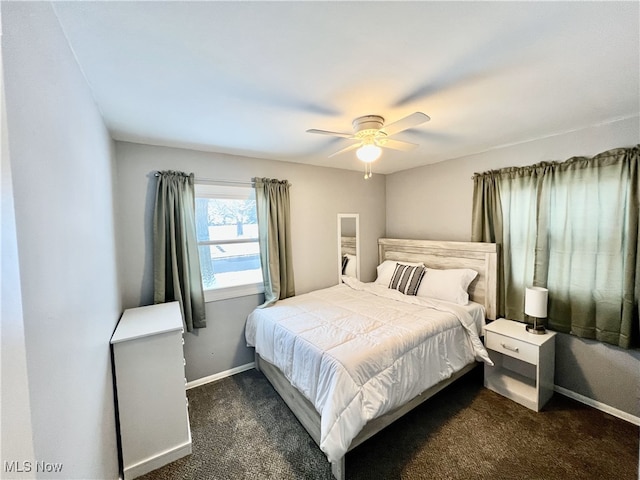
(512, 347)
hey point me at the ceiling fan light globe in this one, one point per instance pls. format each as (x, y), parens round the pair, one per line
(369, 153)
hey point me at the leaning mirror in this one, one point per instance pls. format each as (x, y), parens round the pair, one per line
(348, 245)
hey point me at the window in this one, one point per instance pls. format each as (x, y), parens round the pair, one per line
(227, 232)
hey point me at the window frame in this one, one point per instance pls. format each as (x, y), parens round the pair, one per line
(234, 192)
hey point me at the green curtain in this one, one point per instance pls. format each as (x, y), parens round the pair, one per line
(274, 232)
(571, 227)
(504, 213)
(176, 272)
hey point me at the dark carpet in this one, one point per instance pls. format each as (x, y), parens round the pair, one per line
(241, 429)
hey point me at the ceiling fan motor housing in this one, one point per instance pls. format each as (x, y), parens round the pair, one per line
(368, 122)
(368, 127)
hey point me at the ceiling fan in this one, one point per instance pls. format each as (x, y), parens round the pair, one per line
(372, 135)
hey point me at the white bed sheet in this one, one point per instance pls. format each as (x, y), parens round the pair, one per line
(477, 312)
(357, 351)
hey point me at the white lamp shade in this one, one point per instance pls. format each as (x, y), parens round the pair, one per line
(535, 302)
(369, 153)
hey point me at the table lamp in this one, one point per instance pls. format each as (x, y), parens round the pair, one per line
(535, 305)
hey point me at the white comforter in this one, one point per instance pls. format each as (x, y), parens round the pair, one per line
(359, 350)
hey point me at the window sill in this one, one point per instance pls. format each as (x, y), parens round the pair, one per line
(226, 293)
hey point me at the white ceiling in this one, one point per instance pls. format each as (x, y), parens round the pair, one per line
(248, 78)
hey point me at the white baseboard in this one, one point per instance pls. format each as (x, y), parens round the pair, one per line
(220, 376)
(598, 405)
(156, 461)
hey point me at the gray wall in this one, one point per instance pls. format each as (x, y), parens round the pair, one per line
(61, 163)
(317, 195)
(434, 202)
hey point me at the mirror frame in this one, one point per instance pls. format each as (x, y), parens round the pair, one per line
(356, 217)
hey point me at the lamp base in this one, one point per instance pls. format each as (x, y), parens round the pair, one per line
(537, 329)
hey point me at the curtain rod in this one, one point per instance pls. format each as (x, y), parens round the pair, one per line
(213, 181)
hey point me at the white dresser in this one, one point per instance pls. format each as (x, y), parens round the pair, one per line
(149, 365)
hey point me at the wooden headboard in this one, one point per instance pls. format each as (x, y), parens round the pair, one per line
(481, 257)
(348, 245)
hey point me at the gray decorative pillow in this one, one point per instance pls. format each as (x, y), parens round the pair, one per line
(406, 278)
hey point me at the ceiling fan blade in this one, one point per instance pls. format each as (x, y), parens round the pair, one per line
(407, 122)
(333, 134)
(397, 145)
(347, 149)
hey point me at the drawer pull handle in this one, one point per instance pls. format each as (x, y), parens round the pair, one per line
(508, 347)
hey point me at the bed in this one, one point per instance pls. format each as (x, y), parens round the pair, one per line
(350, 359)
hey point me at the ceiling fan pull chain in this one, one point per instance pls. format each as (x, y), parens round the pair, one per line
(367, 171)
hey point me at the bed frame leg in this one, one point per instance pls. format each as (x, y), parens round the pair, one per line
(256, 358)
(337, 469)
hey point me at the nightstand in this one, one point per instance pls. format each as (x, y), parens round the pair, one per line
(524, 363)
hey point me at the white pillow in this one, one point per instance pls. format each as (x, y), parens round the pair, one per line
(350, 268)
(385, 270)
(449, 285)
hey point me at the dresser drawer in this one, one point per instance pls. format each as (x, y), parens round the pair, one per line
(512, 347)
